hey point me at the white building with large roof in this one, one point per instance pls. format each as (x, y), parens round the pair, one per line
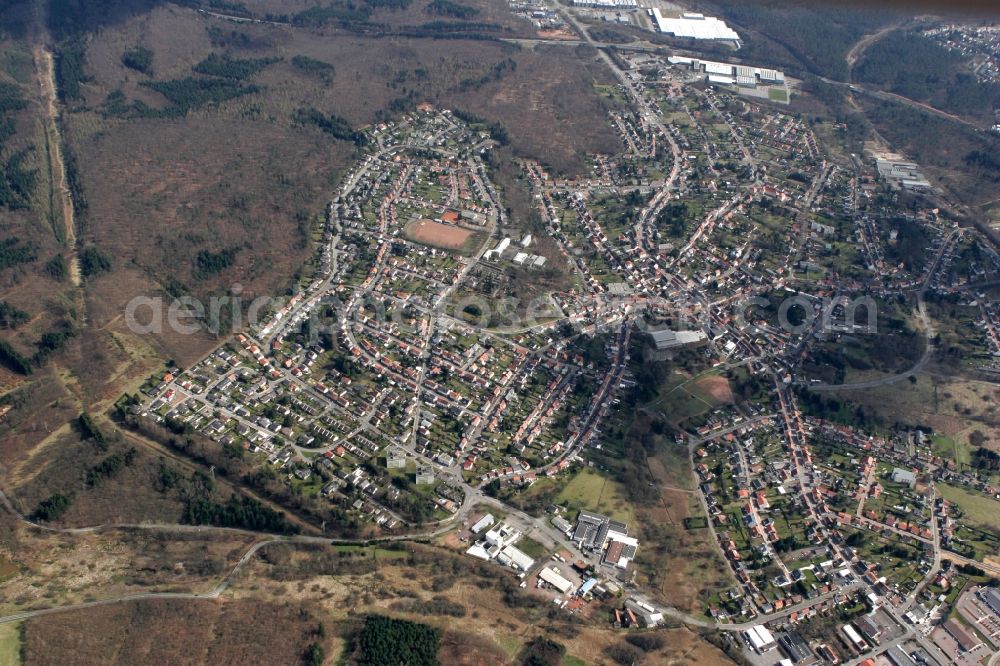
(745, 76)
(691, 25)
(555, 579)
(483, 523)
(516, 558)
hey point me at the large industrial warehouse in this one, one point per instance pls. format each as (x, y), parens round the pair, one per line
(694, 26)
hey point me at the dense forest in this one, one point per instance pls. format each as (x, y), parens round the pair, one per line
(985, 460)
(140, 59)
(16, 17)
(831, 408)
(231, 68)
(344, 13)
(13, 360)
(50, 343)
(333, 125)
(357, 18)
(14, 252)
(190, 93)
(16, 182)
(245, 513)
(53, 507)
(229, 7)
(11, 98)
(495, 73)
(913, 66)
(987, 164)
(94, 262)
(89, 430)
(67, 18)
(910, 246)
(69, 64)
(209, 263)
(451, 9)
(932, 141)
(388, 4)
(308, 65)
(386, 640)
(11, 316)
(673, 219)
(817, 35)
(220, 81)
(56, 268)
(110, 467)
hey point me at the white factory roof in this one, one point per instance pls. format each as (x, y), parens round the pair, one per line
(760, 638)
(724, 72)
(695, 26)
(665, 339)
(483, 523)
(555, 579)
(754, 639)
(623, 4)
(852, 634)
(718, 68)
(518, 558)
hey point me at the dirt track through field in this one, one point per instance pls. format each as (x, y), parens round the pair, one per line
(45, 68)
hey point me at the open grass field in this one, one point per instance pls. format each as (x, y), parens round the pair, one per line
(7, 567)
(165, 631)
(777, 95)
(979, 509)
(371, 551)
(682, 566)
(684, 397)
(43, 410)
(711, 387)
(953, 407)
(595, 492)
(63, 463)
(951, 448)
(436, 234)
(55, 570)
(245, 631)
(10, 644)
(531, 547)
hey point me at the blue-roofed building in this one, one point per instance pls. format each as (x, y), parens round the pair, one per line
(587, 586)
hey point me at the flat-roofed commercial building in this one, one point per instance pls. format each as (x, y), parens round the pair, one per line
(555, 579)
(760, 639)
(694, 26)
(967, 642)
